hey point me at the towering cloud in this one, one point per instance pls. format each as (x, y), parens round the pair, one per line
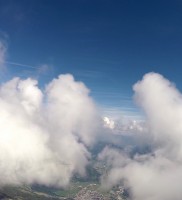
(157, 174)
(44, 135)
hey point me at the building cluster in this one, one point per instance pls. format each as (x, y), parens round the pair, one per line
(89, 194)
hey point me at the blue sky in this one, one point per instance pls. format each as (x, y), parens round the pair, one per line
(107, 44)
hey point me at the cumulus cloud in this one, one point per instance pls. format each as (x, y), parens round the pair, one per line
(109, 123)
(44, 135)
(156, 174)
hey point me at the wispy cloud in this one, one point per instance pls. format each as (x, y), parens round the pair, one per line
(24, 70)
(118, 112)
(3, 51)
(20, 65)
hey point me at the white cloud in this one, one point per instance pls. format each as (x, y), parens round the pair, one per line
(108, 123)
(43, 135)
(157, 174)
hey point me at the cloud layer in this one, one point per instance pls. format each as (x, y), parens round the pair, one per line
(44, 135)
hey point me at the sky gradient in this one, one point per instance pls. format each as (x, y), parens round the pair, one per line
(109, 45)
